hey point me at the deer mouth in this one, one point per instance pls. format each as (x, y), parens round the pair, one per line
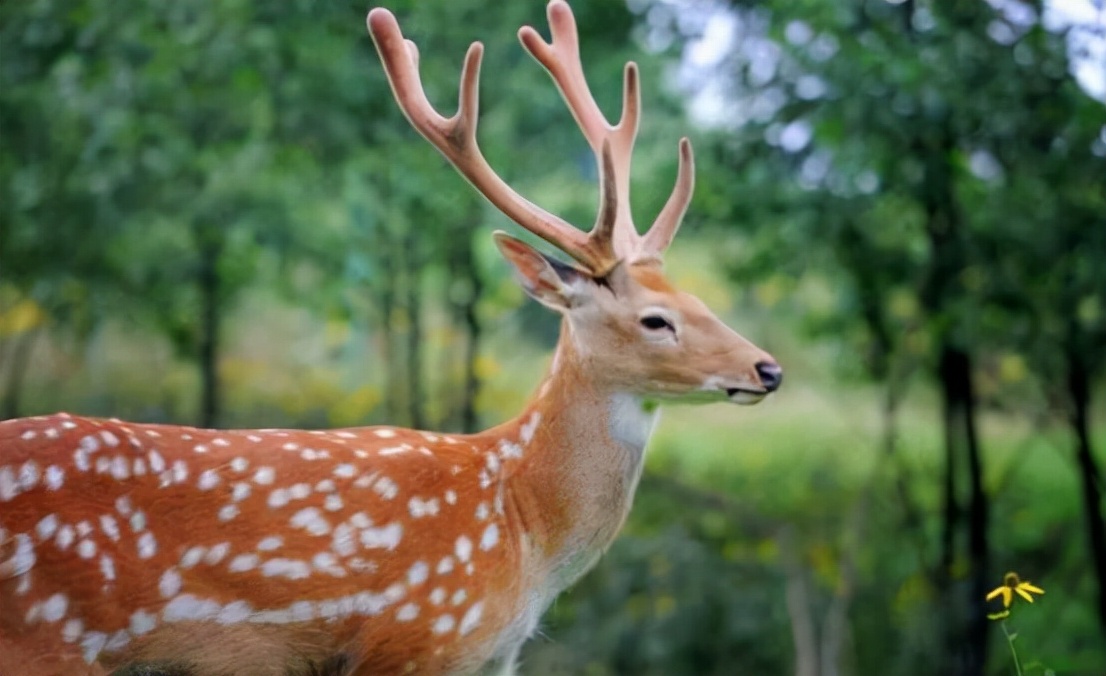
(745, 396)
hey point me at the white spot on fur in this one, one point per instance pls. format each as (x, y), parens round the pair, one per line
(192, 556)
(293, 569)
(147, 546)
(418, 573)
(385, 537)
(463, 548)
(243, 562)
(278, 498)
(180, 472)
(386, 488)
(107, 567)
(240, 492)
(28, 475)
(333, 503)
(86, 549)
(268, 544)
(345, 471)
(47, 526)
(72, 630)
(92, 642)
(444, 624)
(471, 618)
(170, 583)
(120, 468)
(437, 597)
(407, 612)
(217, 553)
(188, 607)
(343, 543)
(311, 520)
(385, 433)
(509, 449)
(228, 512)
(459, 597)
(490, 538)
(264, 476)
(239, 464)
(209, 479)
(55, 477)
(110, 526)
(9, 487)
(526, 433)
(65, 537)
(234, 613)
(53, 609)
(445, 565)
(420, 508)
(142, 622)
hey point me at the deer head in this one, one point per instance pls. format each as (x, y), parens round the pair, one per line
(622, 315)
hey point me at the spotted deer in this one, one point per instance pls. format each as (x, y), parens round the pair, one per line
(138, 548)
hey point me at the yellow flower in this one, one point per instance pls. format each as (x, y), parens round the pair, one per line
(1012, 584)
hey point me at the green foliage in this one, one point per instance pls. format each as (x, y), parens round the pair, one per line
(247, 159)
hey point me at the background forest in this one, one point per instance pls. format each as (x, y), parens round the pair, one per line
(213, 213)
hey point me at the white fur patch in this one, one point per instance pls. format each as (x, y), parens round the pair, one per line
(630, 422)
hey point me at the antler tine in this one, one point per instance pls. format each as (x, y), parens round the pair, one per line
(455, 138)
(561, 58)
(663, 230)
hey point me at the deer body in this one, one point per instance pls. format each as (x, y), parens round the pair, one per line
(331, 534)
(373, 550)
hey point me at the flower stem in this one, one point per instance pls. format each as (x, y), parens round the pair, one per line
(1013, 651)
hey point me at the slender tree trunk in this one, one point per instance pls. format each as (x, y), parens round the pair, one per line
(412, 304)
(804, 635)
(210, 316)
(473, 334)
(966, 629)
(968, 637)
(17, 359)
(386, 295)
(1090, 475)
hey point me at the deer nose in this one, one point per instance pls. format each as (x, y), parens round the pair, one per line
(770, 373)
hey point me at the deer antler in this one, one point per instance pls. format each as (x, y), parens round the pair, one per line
(613, 236)
(561, 58)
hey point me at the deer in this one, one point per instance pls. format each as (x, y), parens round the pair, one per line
(145, 548)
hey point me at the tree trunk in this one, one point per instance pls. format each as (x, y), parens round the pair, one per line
(209, 283)
(17, 362)
(967, 638)
(1089, 474)
(412, 305)
(466, 276)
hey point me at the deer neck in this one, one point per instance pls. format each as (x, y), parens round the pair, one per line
(578, 455)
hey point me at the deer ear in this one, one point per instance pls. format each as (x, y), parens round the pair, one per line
(546, 280)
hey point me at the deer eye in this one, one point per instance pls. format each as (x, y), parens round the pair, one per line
(657, 323)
